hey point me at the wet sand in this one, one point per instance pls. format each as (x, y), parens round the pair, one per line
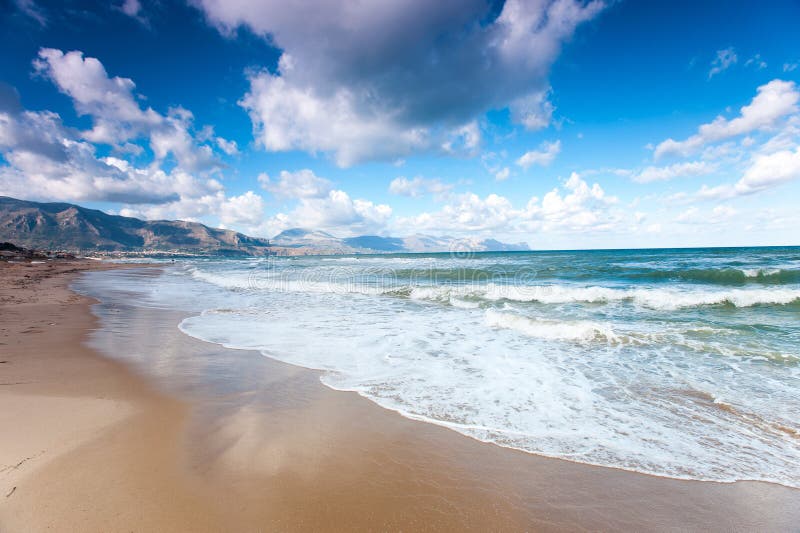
(171, 434)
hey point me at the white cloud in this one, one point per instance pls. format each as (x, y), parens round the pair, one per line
(116, 115)
(764, 171)
(465, 139)
(290, 118)
(502, 174)
(110, 101)
(173, 137)
(786, 138)
(534, 111)
(773, 101)
(692, 168)
(419, 186)
(246, 209)
(335, 212)
(543, 157)
(756, 62)
(45, 160)
(724, 150)
(724, 59)
(581, 208)
(301, 184)
(320, 206)
(725, 191)
(790, 67)
(380, 80)
(228, 146)
(468, 213)
(771, 169)
(131, 7)
(575, 207)
(702, 217)
(30, 8)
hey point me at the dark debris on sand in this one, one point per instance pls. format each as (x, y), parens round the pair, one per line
(12, 252)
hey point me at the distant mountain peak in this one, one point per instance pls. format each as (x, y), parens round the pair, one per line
(61, 226)
(300, 240)
(301, 232)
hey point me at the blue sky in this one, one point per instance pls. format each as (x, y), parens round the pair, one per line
(564, 124)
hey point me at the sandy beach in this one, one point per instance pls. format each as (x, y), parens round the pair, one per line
(173, 434)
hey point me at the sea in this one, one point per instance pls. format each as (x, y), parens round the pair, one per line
(672, 362)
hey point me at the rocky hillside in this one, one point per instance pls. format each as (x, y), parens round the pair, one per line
(59, 226)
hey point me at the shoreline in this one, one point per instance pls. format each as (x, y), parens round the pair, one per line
(288, 454)
(451, 427)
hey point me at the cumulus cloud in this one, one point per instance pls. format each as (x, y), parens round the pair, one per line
(246, 209)
(704, 217)
(43, 159)
(545, 155)
(301, 184)
(48, 160)
(724, 59)
(764, 171)
(581, 207)
(502, 174)
(319, 206)
(773, 101)
(173, 137)
(419, 186)
(468, 213)
(691, 168)
(574, 207)
(380, 80)
(771, 169)
(116, 115)
(110, 101)
(336, 212)
(286, 117)
(228, 146)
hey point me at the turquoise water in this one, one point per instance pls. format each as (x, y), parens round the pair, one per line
(682, 363)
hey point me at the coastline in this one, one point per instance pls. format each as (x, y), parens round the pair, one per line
(133, 451)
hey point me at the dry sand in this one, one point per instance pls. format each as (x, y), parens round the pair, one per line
(187, 436)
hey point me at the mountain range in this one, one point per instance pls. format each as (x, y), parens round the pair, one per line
(300, 239)
(63, 226)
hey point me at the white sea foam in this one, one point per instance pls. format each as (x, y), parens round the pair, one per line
(756, 272)
(655, 298)
(650, 297)
(464, 304)
(551, 329)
